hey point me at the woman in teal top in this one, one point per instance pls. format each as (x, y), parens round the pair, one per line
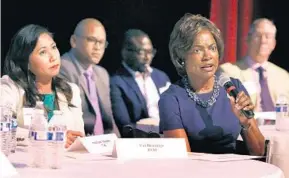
(31, 69)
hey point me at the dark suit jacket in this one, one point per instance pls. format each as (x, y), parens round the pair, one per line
(71, 71)
(128, 103)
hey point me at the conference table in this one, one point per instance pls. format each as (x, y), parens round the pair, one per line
(91, 166)
(278, 153)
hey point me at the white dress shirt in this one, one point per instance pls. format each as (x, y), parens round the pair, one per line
(148, 89)
(255, 77)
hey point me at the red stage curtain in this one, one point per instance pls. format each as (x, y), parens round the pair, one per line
(233, 18)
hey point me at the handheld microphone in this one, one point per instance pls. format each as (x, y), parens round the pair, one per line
(127, 132)
(153, 135)
(131, 132)
(225, 82)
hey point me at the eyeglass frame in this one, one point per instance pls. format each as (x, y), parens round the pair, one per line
(94, 40)
(139, 51)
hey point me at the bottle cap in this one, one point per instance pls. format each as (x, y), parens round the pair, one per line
(57, 112)
(282, 99)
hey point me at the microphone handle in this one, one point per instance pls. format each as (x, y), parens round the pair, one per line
(248, 113)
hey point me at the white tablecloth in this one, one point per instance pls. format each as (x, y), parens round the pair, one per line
(279, 140)
(112, 168)
(278, 153)
(269, 132)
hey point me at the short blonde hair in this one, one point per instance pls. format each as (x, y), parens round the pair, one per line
(184, 34)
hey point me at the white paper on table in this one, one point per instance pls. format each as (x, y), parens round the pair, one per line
(221, 157)
(84, 156)
(7, 169)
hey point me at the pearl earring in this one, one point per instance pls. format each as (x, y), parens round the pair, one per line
(183, 63)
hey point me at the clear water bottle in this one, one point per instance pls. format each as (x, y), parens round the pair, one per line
(56, 139)
(5, 128)
(282, 114)
(13, 141)
(38, 139)
(282, 106)
(40, 105)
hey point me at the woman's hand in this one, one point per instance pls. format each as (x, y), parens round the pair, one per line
(71, 136)
(253, 137)
(242, 102)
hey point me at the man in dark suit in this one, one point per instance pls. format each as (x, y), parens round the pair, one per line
(136, 86)
(79, 66)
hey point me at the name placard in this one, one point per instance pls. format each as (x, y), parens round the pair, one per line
(100, 144)
(150, 148)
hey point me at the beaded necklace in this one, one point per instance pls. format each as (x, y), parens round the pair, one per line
(194, 96)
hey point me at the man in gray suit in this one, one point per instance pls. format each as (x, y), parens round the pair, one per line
(79, 66)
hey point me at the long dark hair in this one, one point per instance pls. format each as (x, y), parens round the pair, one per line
(17, 61)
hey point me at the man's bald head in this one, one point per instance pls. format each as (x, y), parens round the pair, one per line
(85, 24)
(89, 41)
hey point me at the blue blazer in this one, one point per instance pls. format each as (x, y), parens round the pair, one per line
(128, 103)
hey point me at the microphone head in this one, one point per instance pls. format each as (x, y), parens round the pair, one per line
(223, 79)
(153, 135)
(127, 131)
